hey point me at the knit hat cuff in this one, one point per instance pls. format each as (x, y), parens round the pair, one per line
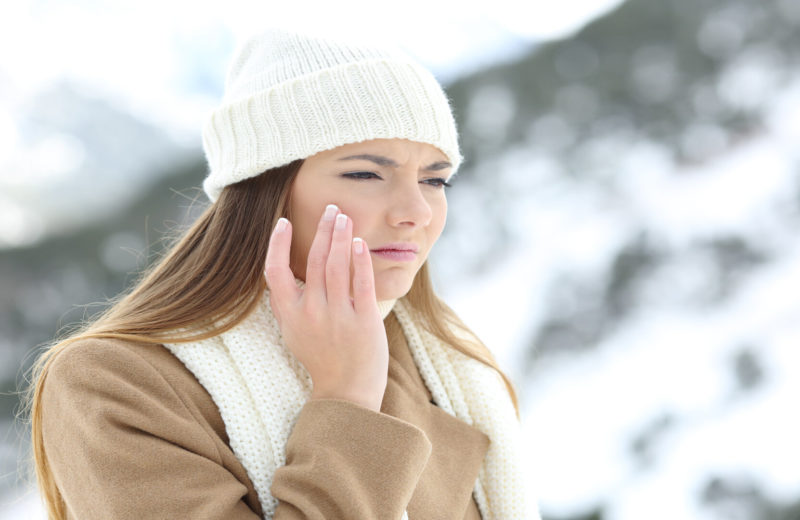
(323, 110)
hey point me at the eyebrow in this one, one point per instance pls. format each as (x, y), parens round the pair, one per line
(386, 161)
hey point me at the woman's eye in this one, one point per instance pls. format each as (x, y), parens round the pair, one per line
(360, 175)
(436, 182)
(441, 183)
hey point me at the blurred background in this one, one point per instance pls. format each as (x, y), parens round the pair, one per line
(622, 234)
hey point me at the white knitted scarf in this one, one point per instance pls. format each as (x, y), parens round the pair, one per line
(260, 388)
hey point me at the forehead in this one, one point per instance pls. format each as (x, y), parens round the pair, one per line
(398, 149)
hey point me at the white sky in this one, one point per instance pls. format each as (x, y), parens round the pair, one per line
(140, 53)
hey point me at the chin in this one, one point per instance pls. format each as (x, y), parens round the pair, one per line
(392, 287)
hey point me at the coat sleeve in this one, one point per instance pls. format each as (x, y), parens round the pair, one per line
(121, 444)
(346, 461)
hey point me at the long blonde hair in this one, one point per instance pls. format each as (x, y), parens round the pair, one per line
(214, 273)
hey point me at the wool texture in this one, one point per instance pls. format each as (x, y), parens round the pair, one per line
(260, 389)
(289, 95)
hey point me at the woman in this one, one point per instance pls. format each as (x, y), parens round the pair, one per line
(288, 357)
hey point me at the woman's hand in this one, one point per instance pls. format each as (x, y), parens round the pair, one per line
(340, 341)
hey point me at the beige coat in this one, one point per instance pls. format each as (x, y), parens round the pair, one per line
(131, 434)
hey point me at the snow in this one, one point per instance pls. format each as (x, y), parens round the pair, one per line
(671, 364)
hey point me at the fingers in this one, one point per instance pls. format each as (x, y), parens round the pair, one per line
(318, 255)
(337, 271)
(280, 278)
(327, 264)
(364, 299)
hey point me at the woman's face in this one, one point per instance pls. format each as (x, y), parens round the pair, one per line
(392, 190)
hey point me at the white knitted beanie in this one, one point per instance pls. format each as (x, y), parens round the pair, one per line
(290, 95)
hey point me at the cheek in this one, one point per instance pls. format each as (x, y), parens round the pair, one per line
(439, 217)
(362, 212)
(304, 225)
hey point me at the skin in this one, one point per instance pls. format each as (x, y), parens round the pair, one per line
(332, 325)
(407, 205)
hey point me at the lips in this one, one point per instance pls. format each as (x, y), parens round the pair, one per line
(405, 247)
(396, 255)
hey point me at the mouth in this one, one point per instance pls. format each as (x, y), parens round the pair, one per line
(397, 255)
(398, 246)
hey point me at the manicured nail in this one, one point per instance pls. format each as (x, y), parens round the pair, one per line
(341, 221)
(281, 226)
(359, 244)
(330, 212)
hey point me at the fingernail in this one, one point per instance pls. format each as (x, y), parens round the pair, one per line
(281, 225)
(341, 221)
(330, 212)
(359, 244)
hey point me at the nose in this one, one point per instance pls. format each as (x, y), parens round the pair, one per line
(408, 205)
